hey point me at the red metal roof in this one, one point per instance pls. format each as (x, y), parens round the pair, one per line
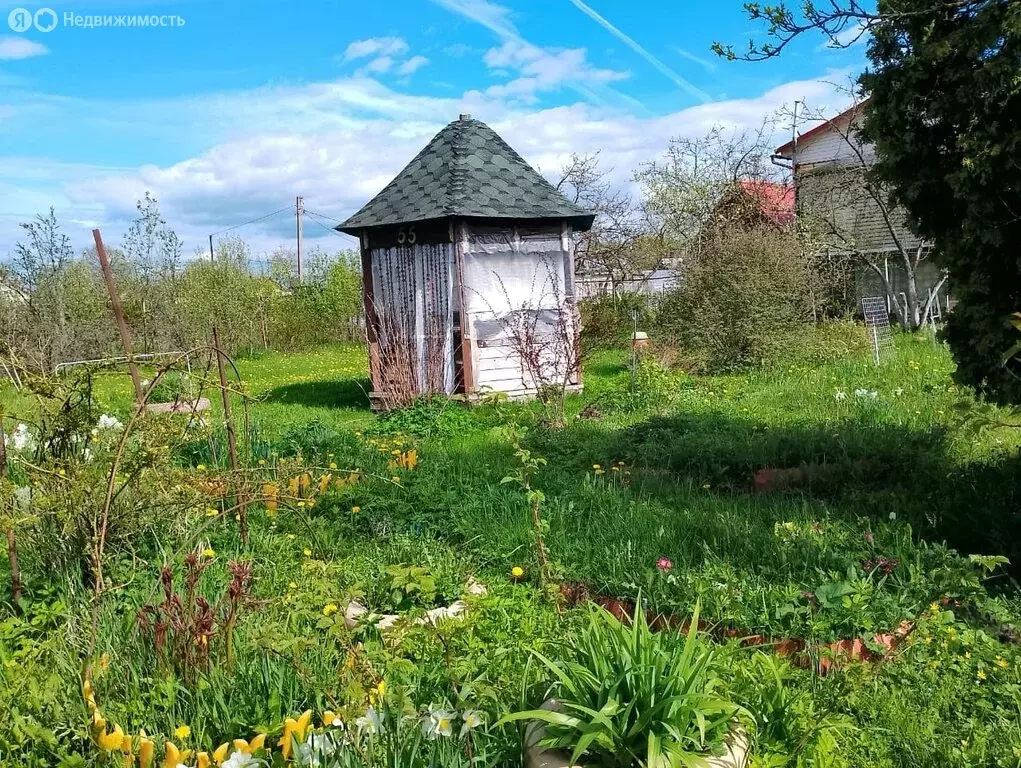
(850, 112)
(776, 201)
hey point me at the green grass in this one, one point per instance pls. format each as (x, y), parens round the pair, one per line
(895, 476)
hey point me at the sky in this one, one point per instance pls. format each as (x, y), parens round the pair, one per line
(232, 114)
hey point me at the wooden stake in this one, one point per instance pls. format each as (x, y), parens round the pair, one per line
(232, 444)
(118, 313)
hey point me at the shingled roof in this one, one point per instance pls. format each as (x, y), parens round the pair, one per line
(466, 171)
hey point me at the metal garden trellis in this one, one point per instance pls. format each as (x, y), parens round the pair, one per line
(877, 320)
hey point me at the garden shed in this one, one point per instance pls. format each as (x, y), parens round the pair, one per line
(468, 273)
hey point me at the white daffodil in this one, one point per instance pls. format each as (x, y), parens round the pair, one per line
(316, 751)
(371, 722)
(472, 719)
(893, 515)
(240, 760)
(438, 723)
(840, 396)
(22, 439)
(106, 421)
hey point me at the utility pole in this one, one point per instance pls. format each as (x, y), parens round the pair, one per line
(299, 210)
(211, 257)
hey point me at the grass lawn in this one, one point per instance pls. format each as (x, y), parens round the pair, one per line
(651, 494)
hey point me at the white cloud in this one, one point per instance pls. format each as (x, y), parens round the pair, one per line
(375, 46)
(542, 69)
(380, 65)
(13, 48)
(412, 65)
(336, 143)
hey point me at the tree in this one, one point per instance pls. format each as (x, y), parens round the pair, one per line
(154, 252)
(682, 190)
(944, 111)
(613, 246)
(850, 211)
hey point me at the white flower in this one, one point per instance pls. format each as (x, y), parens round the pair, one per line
(840, 396)
(893, 515)
(861, 392)
(106, 421)
(472, 719)
(316, 749)
(438, 723)
(22, 439)
(240, 760)
(898, 392)
(145, 384)
(873, 394)
(371, 722)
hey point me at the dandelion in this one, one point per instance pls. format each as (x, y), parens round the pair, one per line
(307, 552)
(212, 512)
(209, 552)
(517, 572)
(333, 465)
(1001, 662)
(356, 509)
(330, 609)
(840, 396)
(596, 466)
(396, 479)
(292, 585)
(664, 564)
(182, 732)
(980, 676)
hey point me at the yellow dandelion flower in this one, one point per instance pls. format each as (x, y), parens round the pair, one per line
(330, 609)
(307, 552)
(182, 732)
(209, 552)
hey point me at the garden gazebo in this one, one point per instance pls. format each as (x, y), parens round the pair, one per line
(468, 273)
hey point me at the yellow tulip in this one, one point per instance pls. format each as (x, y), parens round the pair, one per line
(172, 759)
(146, 750)
(257, 743)
(202, 760)
(287, 737)
(98, 722)
(108, 742)
(220, 755)
(126, 744)
(303, 723)
(329, 717)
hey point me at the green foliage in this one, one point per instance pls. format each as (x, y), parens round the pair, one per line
(609, 320)
(172, 387)
(788, 728)
(741, 293)
(943, 99)
(410, 585)
(630, 696)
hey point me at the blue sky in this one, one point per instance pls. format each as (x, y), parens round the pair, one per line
(248, 104)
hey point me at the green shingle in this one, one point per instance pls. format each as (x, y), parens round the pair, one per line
(467, 170)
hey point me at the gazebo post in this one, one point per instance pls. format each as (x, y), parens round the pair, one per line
(467, 374)
(371, 319)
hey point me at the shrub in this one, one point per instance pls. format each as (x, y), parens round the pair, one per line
(608, 320)
(634, 697)
(741, 292)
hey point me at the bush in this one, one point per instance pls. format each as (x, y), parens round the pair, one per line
(608, 320)
(741, 292)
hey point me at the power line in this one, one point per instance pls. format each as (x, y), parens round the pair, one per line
(253, 221)
(315, 218)
(324, 216)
